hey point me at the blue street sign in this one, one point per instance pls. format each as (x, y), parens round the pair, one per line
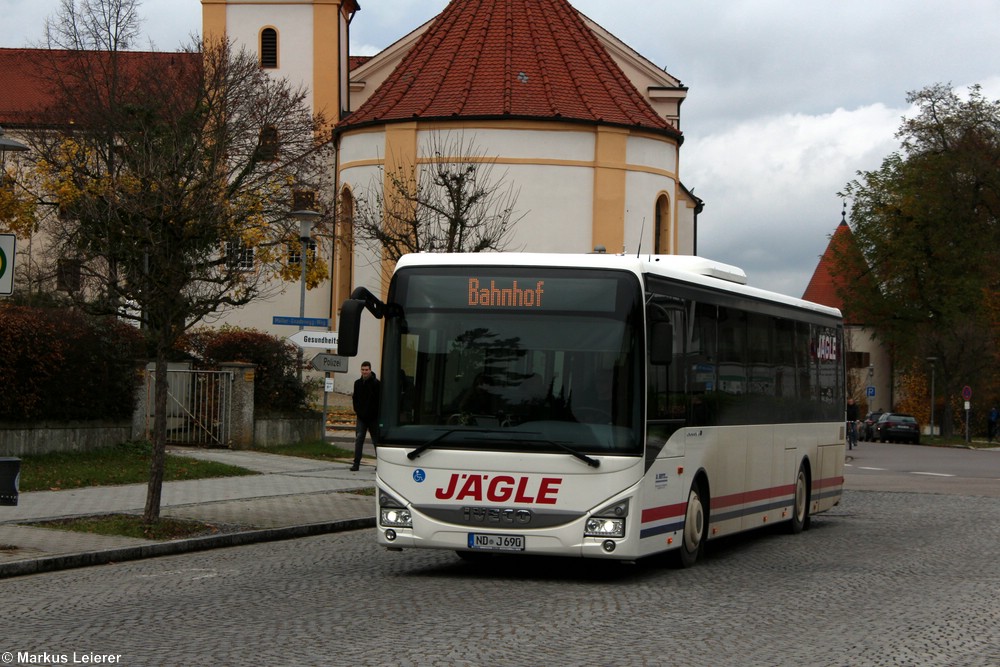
(871, 392)
(301, 321)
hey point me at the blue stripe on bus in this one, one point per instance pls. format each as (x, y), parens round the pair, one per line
(659, 530)
(716, 516)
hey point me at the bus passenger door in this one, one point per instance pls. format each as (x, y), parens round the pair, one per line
(666, 390)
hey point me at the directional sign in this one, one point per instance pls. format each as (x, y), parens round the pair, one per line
(8, 244)
(325, 340)
(330, 363)
(301, 321)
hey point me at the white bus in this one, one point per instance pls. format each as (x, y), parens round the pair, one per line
(598, 406)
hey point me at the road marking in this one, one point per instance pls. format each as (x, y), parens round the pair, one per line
(932, 474)
(867, 468)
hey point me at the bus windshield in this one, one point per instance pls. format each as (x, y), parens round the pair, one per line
(523, 359)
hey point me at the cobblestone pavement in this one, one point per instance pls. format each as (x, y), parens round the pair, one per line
(893, 579)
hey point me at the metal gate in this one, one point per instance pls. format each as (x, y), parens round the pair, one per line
(199, 407)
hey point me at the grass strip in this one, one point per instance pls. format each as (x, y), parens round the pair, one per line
(127, 463)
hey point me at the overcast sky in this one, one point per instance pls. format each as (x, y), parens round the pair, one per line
(787, 99)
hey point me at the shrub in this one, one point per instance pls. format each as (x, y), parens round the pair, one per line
(276, 385)
(59, 365)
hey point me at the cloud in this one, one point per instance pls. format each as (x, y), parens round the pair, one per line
(770, 187)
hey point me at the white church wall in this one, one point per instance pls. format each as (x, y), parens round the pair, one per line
(295, 37)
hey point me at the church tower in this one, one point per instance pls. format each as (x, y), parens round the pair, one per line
(305, 41)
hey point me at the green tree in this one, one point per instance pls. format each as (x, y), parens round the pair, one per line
(926, 226)
(174, 187)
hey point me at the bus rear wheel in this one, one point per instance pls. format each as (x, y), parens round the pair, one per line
(800, 505)
(693, 535)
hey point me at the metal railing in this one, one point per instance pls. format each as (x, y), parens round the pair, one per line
(199, 407)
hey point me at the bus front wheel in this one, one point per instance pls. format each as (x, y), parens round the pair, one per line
(693, 537)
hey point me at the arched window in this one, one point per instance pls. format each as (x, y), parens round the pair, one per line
(661, 230)
(269, 48)
(344, 249)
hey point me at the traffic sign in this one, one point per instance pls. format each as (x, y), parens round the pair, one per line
(301, 321)
(871, 391)
(330, 363)
(325, 340)
(967, 393)
(8, 245)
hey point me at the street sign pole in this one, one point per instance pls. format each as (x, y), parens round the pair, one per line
(967, 395)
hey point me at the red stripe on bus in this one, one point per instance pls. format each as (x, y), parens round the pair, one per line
(658, 513)
(829, 481)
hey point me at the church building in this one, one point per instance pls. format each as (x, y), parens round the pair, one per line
(586, 129)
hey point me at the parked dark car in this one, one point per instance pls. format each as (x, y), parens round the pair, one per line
(867, 430)
(895, 426)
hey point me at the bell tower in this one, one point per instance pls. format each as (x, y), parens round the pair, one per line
(305, 41)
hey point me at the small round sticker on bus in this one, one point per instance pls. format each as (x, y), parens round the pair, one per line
(419, 475)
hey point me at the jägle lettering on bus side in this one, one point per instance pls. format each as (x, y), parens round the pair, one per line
(512, 296)
(499, 489)
(826, 349)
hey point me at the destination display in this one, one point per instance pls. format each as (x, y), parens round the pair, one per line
(528, 292)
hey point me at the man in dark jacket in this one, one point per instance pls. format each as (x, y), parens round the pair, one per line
(366, 405)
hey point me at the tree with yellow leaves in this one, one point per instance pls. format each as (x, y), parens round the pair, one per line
(175, 188)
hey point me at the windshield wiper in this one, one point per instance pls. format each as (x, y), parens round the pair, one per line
(444, 434)
(589, 460)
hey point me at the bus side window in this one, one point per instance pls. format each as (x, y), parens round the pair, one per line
(661, 345)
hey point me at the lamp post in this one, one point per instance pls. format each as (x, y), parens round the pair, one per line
(306, 219)
(931, 360)
(9, 145)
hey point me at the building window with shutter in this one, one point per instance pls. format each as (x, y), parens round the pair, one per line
(68, 273)
(269, 48)
(267, 150)
(239, 256)
(294, 250)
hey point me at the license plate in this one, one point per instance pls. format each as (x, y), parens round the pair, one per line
(488, 542)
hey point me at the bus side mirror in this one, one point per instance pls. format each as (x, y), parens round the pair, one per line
(349, 328)
(350, 319)
(661, 343)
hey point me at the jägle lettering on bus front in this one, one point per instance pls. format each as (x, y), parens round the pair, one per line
(499, 489)
(513, 296)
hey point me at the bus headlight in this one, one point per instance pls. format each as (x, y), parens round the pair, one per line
(608, 521)
(598, 527)
(392, 516)
(392, 513)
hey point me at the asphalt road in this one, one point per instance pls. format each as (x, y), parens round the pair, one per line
(877, 466)
(889, 577)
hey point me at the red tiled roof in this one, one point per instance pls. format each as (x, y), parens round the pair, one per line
(531, 59)
(28, 97)
(354, 62)
(824, 287)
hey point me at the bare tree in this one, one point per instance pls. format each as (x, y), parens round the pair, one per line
(451, 202)
(175, 178)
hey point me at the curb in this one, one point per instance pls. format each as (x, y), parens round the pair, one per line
(121, 554)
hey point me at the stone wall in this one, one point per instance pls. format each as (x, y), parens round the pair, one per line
(25, 439)
(270, 431)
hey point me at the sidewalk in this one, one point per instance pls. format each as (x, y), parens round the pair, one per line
(291, 497)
